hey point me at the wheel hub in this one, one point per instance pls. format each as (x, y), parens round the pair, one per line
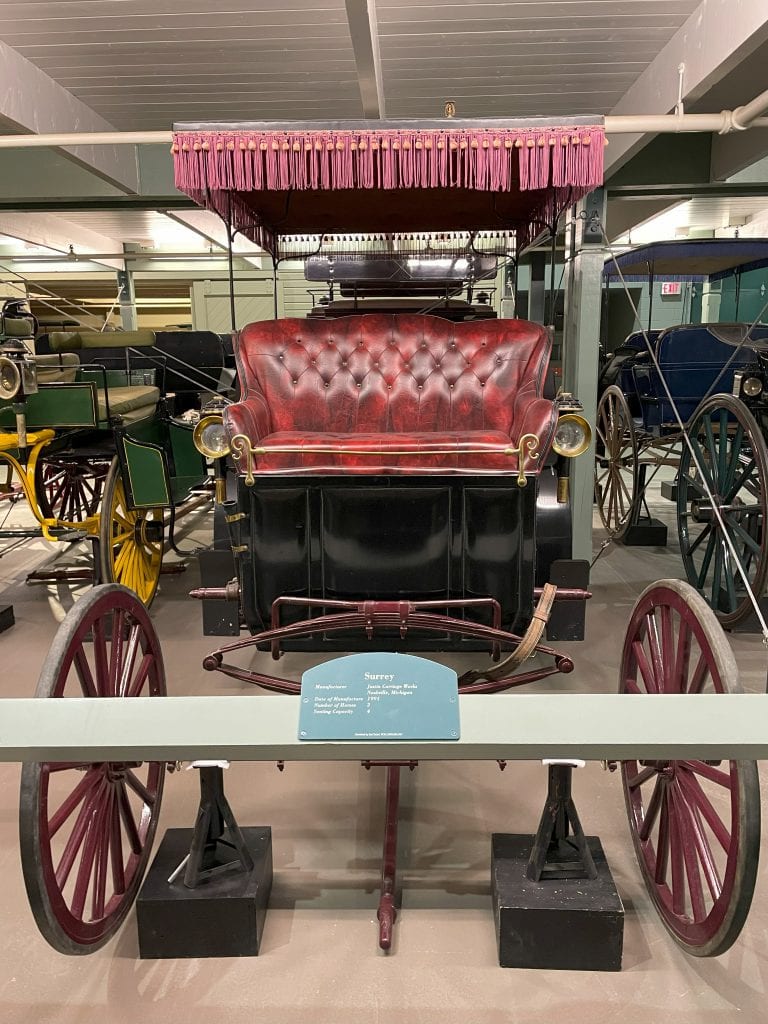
(662, 767)
(114, 771)
(701, 509)
(148, 532)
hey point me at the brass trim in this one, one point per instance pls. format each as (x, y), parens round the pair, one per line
(235, 517)
(243, 452)
(572, 417)
(197, 436)
(563, 490)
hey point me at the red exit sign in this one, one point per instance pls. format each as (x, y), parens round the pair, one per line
(671, 287)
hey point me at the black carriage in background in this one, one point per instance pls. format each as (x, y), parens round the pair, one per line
(689, 393)
(389, 468)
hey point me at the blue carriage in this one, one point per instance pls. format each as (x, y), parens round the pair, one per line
(691, 397)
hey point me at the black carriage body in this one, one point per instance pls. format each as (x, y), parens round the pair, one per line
(386, 538)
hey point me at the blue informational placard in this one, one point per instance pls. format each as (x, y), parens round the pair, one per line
(379, 697)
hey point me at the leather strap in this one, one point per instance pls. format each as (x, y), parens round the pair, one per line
(524, 649)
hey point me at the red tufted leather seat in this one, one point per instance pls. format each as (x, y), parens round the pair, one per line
(392, 384)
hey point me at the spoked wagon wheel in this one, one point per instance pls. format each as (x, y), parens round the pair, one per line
(732, 456)
(130, 542)
(86, 830)
(616, 476)
(695, 824)
(69, 488)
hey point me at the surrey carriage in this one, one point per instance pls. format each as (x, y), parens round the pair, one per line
(692, 397)
(388, 471)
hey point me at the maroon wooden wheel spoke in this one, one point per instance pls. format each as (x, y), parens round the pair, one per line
(87, 829)
(695, 826)
(68, 487)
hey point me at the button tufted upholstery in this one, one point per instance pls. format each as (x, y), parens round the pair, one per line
(392, 383)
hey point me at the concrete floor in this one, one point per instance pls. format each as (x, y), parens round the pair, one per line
(320, 961)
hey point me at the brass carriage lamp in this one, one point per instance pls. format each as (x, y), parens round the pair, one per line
(573, 436)
(210, 438)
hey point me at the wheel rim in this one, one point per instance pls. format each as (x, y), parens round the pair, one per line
(69, 490)
(695, 825)
(616, 463)
(731, 450)
(131, 541)
(87, 829)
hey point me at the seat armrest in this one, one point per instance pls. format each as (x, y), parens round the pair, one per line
(533, 415)
(250, 418)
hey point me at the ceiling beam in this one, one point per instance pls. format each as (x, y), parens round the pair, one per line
(75, 204)
(58, 234)
(717, 189)
(734, 153)
(364, 33)
(717, 36)
(33, 103)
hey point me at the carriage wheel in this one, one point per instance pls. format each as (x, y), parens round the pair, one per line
(616, 476)
(131, 542)
(86, 830)
(69, 489)
(695, 824)
(732, 453)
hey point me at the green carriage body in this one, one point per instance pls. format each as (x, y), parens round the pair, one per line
(112, 427)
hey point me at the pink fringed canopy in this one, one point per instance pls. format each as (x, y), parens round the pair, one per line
(270, 180)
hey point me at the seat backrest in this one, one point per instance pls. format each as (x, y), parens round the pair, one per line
(694, 355)
(637, 341)
(692, 358)
(72, 341)
(61, 369)
(391, 372)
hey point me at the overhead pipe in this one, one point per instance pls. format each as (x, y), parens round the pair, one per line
(668, 124)
(748, 116)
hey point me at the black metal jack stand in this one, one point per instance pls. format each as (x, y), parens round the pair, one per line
(211, 853)
(554, 901)
(213, 902)
(560, 848)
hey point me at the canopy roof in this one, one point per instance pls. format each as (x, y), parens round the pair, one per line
(272, 179)
(695, 259)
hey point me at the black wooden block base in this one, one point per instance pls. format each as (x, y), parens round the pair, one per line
(223, 916)
(6, 617)
(648, 533)
(669, 490)
(568, 925)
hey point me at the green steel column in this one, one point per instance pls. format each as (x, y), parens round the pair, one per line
(583, 303)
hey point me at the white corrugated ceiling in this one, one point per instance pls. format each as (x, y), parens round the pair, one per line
(519, 58)
(142, 64)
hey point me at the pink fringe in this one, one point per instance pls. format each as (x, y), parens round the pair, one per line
(486, 160)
